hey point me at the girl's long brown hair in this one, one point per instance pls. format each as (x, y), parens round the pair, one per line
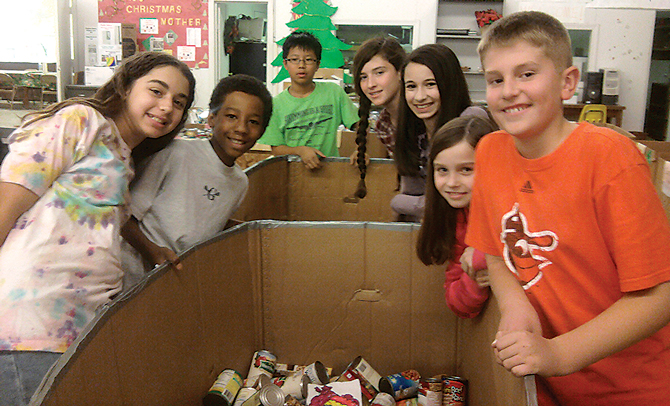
(454, 98)
(437, 235)
(389, 49)
(110, 99)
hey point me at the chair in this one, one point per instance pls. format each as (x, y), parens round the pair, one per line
(49, 87)
(7, 89)
(594, 113)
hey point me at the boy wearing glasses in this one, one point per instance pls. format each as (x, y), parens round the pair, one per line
(307, 114)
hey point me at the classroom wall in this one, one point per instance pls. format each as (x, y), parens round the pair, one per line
(625, 31)
(420, 13)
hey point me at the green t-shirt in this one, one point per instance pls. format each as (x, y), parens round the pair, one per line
(310, 121)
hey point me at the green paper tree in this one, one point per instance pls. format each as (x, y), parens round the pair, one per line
(315, 18)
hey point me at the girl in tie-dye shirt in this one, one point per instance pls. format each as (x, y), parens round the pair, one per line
(63, 197)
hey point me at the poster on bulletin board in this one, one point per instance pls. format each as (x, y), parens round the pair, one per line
(179, 27)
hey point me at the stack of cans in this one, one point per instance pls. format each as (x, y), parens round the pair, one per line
(272, 384)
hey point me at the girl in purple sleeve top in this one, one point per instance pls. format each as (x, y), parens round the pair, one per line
(449, 179)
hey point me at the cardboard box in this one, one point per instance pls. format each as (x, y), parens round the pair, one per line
(658, 157)
(281, 188)
(347, 144)
(306, 291)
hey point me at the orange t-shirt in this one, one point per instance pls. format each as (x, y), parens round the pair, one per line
(578, 228)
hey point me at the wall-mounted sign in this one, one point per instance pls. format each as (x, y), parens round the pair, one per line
(180, 25)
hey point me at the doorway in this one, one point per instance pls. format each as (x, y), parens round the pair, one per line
(242, 45)
(658, 99)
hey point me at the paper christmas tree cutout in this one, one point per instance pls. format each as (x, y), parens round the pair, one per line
(315, 18)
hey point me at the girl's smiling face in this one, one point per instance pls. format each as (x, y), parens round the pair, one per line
(154, 105)
(454, 174)
(421, 92)
(380, 81)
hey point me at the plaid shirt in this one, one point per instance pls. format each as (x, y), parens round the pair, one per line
(385, 130)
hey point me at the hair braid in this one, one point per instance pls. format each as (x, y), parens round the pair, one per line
(361, 141)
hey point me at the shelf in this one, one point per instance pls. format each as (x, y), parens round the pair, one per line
(477, 37)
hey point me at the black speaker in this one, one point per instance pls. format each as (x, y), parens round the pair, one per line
(593, 88)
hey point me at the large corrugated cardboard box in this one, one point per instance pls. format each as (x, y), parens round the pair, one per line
(305, 290)
(658, 157)
(282, 188)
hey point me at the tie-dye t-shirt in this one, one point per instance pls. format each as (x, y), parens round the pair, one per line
(60, 262)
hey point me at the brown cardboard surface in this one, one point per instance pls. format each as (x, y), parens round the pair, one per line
(282, 188)
(658, 156)
(305, 291)
(373, 145)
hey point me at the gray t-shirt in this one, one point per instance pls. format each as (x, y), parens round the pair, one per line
(184, 195)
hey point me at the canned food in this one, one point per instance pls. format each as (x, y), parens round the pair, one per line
(268, 395)
(224, 389)
(243, 395)
(294, 385)
(367, 376)
(455, 391)
(262, 363)
(430, 389)
(404, 384)
(317, 373)
(383, 399)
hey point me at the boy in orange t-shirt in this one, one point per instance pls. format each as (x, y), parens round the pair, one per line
(576, 239)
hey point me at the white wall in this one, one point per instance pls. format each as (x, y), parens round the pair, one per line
(625, 35)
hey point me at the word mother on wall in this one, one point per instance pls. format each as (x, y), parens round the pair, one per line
(179, 27)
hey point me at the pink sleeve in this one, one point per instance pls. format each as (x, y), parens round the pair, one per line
(479, 260)
(464, 297)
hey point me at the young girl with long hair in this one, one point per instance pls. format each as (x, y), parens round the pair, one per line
(450, 176)
(64, 188)
(377, 81)
(434, 91)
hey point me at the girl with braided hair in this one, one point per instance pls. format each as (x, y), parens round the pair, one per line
(377, 65)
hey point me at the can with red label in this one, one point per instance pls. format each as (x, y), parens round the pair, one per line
(262, 363)
(224, 389)
(367, 376)
(455, 391)
(430, 392)
(294, 385)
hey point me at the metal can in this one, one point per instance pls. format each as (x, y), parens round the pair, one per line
(317, 373)
(455, 391)
(294, 385)
(224, 389)
(268, 395)
(404, 384)
(367, 376)
(262, 363)
(243, 395)
(430, 389)
(383, 399)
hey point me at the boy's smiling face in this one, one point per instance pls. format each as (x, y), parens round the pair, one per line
(236, 126)
(301, 73)
(525, 90)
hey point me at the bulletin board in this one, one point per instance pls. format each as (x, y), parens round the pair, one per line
(179, 27)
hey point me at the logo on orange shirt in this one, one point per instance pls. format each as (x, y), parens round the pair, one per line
(523, 247)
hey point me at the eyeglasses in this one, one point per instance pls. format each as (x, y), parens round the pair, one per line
(296, 61)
